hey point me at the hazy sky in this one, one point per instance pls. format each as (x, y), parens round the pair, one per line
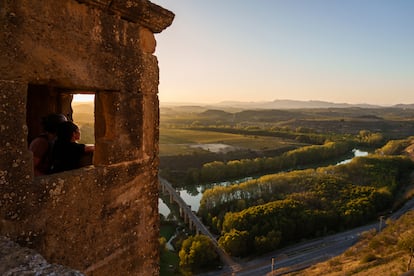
(354, 51)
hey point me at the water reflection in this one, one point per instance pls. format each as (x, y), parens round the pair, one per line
(217, 148)
(357, 153)
(192, 199)
(163, 208)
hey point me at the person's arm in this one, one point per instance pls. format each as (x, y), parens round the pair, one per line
(39, 147)
(89, 148)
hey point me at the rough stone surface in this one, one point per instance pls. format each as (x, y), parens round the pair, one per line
(16, 261)
(101, 219)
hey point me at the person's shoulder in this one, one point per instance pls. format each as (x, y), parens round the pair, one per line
(40, 140)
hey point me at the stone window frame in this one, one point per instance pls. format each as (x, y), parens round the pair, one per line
(44, 99)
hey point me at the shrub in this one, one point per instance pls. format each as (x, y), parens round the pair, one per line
(367, 258)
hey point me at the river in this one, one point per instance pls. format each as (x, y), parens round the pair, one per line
(193, 198)
(357, 153)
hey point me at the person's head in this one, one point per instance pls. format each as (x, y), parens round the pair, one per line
(50, 122)
(68, 132)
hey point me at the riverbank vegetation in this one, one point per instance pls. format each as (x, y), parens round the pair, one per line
(208, 167)
(233, 169)
(279, 209)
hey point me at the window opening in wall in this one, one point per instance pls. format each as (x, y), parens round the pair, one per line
(83, 115)
(46, 100)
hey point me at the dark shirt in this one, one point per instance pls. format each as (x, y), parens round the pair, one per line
(67, 156)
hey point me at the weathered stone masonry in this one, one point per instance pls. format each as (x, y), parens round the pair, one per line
(101, 219)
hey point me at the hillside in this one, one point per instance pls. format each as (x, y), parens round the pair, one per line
(83, 113)
(375, 254)
(293, 104)
(391, 122)
(280, 104)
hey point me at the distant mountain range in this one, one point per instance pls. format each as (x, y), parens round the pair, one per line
(290, 104)
(284, 104)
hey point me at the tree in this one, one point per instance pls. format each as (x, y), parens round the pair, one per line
(268, 242)
(163, 243)
(406, 243)
(235, 242)
(197, 252)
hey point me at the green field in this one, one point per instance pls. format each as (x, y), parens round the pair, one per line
(175, 141)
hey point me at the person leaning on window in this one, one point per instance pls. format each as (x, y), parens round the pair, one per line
(67, 153)
(42, 145)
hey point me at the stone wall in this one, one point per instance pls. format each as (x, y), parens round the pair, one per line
(101, 219)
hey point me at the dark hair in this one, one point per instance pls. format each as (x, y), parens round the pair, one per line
(51, 122)
(65, 131)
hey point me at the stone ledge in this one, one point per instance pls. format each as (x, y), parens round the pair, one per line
(16, 260)
(143, 12)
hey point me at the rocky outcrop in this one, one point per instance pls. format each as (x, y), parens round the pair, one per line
(16, 261)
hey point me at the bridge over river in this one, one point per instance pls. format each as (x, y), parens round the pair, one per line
(195, 223)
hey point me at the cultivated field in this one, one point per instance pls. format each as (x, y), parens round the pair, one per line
(175, 141)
